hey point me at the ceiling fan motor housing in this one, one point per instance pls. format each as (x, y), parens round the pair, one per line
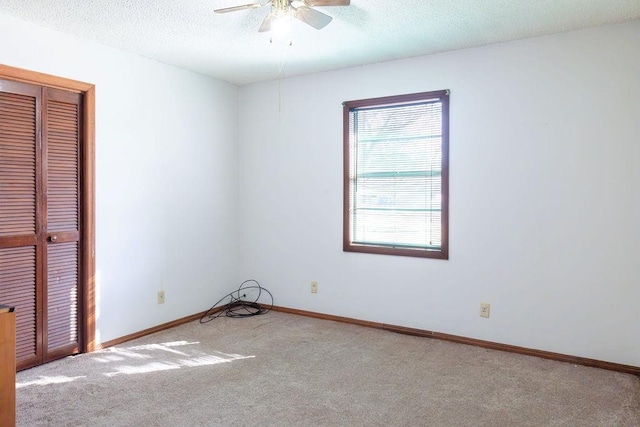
(280, 4)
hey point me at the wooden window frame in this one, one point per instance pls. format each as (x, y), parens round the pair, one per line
(87, 220)
(347, 244)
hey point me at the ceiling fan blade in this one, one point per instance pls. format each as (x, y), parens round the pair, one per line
(266, 24)
(241, 7)
(312, 17)
(328, 2)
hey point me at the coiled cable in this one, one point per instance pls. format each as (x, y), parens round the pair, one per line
(242, 302)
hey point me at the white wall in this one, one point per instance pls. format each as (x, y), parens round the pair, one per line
(166, 177)
(544, 202)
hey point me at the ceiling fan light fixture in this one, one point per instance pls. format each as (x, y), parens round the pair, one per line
(281, 24)
(281, 27)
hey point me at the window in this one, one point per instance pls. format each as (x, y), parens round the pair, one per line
(396, 169)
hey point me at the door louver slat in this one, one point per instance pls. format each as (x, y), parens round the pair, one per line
(18, 154)
(62, 154)
(62, 295)
(18, 288)
(18, 274)
(62, 215)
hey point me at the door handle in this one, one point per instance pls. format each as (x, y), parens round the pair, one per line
(53, 238)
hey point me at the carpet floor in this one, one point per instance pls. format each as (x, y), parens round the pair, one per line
(286, 370)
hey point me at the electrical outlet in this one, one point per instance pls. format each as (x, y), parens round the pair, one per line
(314, 287)
(160, 297)
(485, 309)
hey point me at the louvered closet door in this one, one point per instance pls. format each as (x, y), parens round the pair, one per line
(39, 219)
(19, 223)
(61, 130)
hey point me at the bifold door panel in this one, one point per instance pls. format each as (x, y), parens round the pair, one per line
(39, 218)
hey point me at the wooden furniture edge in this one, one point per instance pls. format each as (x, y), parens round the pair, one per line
(584, 361)
(7, 367)
(154, 329)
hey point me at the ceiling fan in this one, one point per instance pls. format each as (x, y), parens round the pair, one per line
(300, 9)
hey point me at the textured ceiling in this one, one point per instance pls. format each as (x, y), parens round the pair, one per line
(188, 34)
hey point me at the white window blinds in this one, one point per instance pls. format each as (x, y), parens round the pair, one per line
(395, 174)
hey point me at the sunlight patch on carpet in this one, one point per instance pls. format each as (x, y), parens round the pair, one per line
(212, 360)
(142, 369)
(48, 380)
(189, 356)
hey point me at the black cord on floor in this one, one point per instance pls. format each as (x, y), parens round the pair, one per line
(238, 306)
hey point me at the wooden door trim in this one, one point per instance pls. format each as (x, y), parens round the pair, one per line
(87, 281)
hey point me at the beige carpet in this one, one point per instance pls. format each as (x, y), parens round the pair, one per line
(285, 370)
